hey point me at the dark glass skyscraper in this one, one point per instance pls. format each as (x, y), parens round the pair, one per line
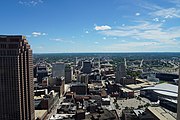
(16, 79)
(87, 67)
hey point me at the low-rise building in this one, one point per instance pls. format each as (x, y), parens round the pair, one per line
(159, 114)
(79, 88)
(45, 101)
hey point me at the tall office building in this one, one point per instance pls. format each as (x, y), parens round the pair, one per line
(83, 78)
(76, 61)
(68, 74)
(16, 79)
(41, 72)
(58, 69)
(87, 67)
(120, 72)
(178, 105)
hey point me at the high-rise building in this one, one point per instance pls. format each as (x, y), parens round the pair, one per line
(178, 105)
(58, 69)
(87, 67)
(76, 61)
(41, 72)
(16, 79)
(68, 74)
(83, 78)
(120, 72)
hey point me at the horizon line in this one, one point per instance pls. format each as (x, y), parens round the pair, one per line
(100, 52)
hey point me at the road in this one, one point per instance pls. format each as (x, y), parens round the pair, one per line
(53, 110)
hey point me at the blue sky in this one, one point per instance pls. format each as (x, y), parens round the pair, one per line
(63, 26)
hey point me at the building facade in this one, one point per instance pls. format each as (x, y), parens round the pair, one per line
(16, 79)
(87, 67)
(120, 72)
(42, 72)
(58, 69)
(68, 74)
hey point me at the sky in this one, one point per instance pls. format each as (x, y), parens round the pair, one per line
(73, 26)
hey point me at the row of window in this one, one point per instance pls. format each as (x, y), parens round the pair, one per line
(9, 40)
(9, 46)
(8, 52)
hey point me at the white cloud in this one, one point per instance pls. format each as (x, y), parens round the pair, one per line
(62, 40)
(176, 2)
(104, 38)
(30, 2)
(96, 42)
(87, 32)
(163, 21)
(167, 13)
(158, 11)
(44, 33)
(103, 27)
(28, 36)
(40, 47)
(36, 34)
(57, 40)
(156, 19)
(137, 14)
(123, 41)
(144, 25)
(149, 6)
(146, 31)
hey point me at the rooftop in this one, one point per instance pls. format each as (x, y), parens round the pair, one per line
(160, 113)
(139, 86)
(40, 113)
(62, 116)
(126, 90)
(165, 89)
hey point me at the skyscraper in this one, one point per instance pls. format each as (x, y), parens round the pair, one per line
(58, 69)
(16, 79)
(120, 72)
(68, 74)
(87, 67)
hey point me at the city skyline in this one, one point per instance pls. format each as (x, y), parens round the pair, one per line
(94, 26)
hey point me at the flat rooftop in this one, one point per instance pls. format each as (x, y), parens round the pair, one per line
(39, 97)
(160, 113)
(126, 90)
(40, 113)
(139, 86)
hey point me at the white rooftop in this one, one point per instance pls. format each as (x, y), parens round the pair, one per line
(61, 116)
(164, 89)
